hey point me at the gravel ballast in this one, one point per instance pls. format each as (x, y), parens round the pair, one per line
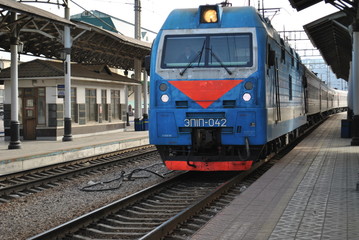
(28, 216)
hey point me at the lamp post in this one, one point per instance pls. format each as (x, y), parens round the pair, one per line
(67, 70)
(138, 62)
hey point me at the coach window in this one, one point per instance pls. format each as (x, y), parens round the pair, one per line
(115, 104)
(290, 88)
(91, 112)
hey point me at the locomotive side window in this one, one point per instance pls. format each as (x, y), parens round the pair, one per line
(217, 50)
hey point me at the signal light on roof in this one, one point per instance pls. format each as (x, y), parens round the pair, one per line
(209, 14)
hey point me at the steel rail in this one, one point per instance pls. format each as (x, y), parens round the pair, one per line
(53, 177)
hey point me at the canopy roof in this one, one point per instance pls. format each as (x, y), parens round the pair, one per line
(41, 34)
(302, 4)
(331, 36)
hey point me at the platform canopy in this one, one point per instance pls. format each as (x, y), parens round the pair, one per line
(302, 4)
(331, 36)
(41, 34)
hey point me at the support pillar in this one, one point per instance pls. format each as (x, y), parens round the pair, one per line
(355, 84)
(138, 62)
(138, 89)
(145, 91)
(67, 70)
(350, 93)
(15, 124)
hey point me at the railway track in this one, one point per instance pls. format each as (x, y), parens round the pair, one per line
(155, 212)
(23, 183)
(173, 209)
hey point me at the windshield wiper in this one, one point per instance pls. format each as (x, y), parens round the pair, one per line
(220, 62)
(198, 56)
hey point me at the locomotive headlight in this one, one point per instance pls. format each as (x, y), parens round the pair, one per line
(246, 97)
(209, 14)
(165, 98)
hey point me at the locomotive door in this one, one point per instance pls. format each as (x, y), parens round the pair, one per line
(277, 93)
(29, 114)
(305, 92)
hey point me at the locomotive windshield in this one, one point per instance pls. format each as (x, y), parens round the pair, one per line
(226, 50)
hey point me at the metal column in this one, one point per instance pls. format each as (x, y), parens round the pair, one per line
(355, 84)
(350, 92)
(67, 69)
(138, 62)
(138, 89)
(14, 125)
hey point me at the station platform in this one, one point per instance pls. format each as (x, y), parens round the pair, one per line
(42, 153)
(311, 193)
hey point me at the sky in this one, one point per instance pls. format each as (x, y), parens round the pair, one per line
(154, 12)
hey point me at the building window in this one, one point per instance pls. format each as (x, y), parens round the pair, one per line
(73, 105)
(115, 104)
(91, 113)
(41, 106)
(103, 104)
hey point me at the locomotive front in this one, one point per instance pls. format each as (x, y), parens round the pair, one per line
(207, 103)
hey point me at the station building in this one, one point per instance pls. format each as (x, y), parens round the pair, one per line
(98, 99)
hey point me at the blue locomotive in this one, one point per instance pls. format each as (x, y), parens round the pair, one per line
(226, 90)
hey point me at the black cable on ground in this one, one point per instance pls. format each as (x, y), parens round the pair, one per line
(121, 178)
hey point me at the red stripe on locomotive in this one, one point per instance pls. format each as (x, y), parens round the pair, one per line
(209, 166)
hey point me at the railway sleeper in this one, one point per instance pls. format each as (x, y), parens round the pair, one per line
(14, 195)
(129, 224)
(107, 228)
(180, 197)
(192, 226)
(157, 202)
(167, 199)
(167, 209)
(139, 219)
(197, 221)
(182, 192)
(148, 215)
(3, 200)
(178, 238)
(186, 232)
(94, 233)
(160, 206)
